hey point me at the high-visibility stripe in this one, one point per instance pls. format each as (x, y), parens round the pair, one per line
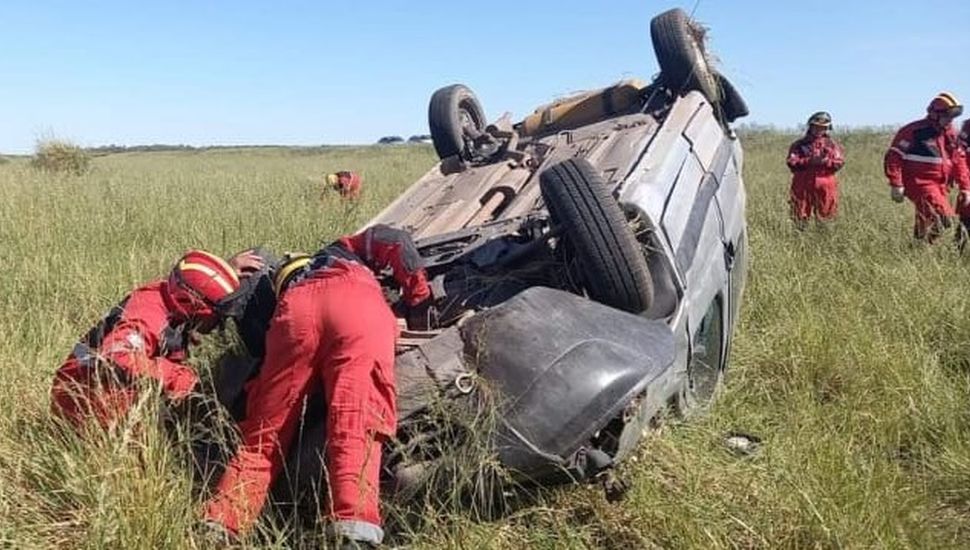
(923, 159)
(212, 273)
(284, 273)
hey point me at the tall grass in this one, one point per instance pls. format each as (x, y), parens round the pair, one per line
(851, 363)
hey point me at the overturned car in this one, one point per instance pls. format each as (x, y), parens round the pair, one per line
(587, 265)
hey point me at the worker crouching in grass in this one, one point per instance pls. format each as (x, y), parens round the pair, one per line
(145, 340)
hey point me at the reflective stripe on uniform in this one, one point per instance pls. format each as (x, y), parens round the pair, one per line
(923, 158)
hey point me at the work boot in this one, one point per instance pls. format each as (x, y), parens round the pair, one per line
(357, 545)
(962, 234)
(353, 535)
(344, 543)
(213, 534)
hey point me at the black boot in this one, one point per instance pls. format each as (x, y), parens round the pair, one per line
(962, 234)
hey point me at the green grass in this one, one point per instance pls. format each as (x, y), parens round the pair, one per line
(852, 362)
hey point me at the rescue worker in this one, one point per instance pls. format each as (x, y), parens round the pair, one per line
(813, 161)
(923, 160)
(146, 337)
(346, 183)
(332, 329)
(963, 208)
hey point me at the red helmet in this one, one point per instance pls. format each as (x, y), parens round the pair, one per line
(199, 282)
(945, 103)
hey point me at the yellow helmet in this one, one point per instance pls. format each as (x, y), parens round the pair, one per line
(945, 103)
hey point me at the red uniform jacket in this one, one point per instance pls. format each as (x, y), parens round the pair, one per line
(139, 338)
(965, 141)
(381, 247)
(923, 155)
(815, 160)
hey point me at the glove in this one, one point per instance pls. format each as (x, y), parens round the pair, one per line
(422, 316)
(897, 193)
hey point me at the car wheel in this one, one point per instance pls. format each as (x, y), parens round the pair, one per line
(678, 43)
(733, 105)
(455, 117)
(610, 261)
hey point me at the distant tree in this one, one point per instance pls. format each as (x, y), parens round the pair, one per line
(386, 140)
(420, 138)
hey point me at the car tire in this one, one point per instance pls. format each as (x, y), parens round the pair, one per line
(611, 264)
(679, 47)
(733, 105)
(454, 116)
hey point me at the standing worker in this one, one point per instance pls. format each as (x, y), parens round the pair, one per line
(923, 160)
(963, 207)
(814, 160)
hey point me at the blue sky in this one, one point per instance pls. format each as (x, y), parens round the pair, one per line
(317, 72)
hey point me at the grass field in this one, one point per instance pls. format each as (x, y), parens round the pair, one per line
(852, 363)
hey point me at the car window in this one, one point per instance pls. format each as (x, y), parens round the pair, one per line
(706, 353)
(738, 275)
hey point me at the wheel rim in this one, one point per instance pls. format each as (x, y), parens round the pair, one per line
(700, 60)
(467, 122)
(470, 125)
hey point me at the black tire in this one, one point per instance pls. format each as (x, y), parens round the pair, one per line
(679, 46)
(454, 116)
(733, 105)
(613, 269)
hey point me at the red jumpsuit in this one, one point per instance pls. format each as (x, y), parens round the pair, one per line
(924, 159)
(814, 160)
(333, 327)
(136, 339)
(346, 183)
(963, 210)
